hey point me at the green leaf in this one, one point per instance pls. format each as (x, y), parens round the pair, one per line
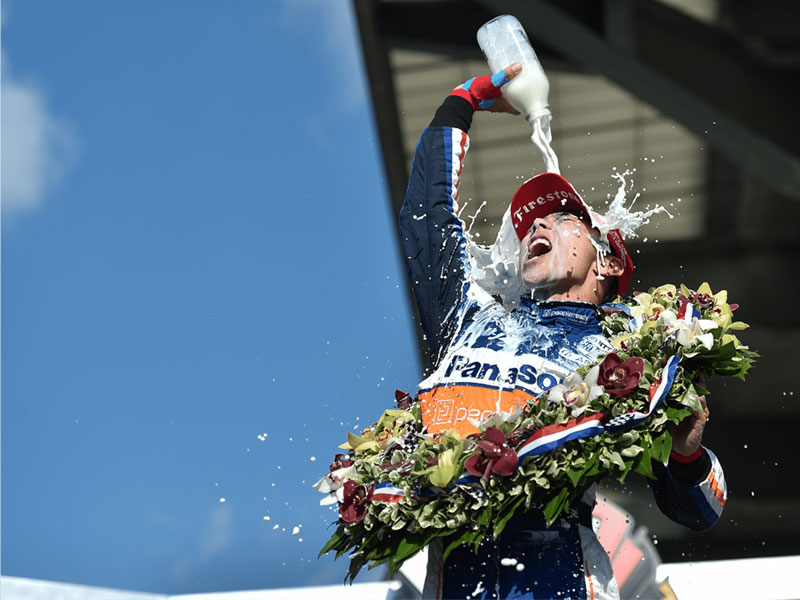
(338, 540)
(644, 464)
(595, 467)
(616, 460)
(456, 540)
(626, 470)
(631, 451)
(724, 352)
(356, 563)
(409, 545)
(575, 475)
(505, 513)
(691, 398)
(661, 446)
(677, 414)
(555, 506)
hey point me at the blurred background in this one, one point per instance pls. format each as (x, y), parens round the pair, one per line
(202, 290)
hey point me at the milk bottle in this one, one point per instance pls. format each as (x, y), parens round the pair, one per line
(504, 41)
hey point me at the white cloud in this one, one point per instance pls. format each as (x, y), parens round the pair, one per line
(37, 147)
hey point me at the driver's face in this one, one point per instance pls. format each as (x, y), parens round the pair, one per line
(557, 254)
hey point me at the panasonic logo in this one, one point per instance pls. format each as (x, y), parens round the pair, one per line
(461, 367)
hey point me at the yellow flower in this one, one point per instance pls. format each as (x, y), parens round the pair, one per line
(705, 289)
(442, 473)
(643, 299)
(620, 342)
(722, 315)
(667, 291)
(652, 311)
(360, 444)
(727, 338)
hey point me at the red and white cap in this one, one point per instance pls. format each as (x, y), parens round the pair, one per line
(547, 193)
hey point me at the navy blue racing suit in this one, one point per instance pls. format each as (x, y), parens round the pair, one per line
(482, 354)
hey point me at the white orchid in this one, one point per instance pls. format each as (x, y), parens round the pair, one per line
(577, 392)
(689, 331)
(498, 418)
(332, 484)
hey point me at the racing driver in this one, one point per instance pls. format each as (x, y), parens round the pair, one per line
(481, 349)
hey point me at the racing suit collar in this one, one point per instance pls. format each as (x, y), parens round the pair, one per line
(580, 314)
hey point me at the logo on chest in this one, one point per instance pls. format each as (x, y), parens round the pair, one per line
(462, 369)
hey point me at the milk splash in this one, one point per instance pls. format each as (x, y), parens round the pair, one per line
(541, 137)
(619, 216)
(496, 268)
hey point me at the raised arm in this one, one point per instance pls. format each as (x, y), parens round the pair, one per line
(432, 234)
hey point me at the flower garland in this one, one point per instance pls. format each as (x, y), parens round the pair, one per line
(398, 487)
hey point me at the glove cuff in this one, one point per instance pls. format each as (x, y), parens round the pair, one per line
(455, 111)
(690, 473)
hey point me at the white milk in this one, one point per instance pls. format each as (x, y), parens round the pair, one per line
(541, 137)
(528, 91)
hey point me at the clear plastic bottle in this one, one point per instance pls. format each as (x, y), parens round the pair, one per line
(503, 42)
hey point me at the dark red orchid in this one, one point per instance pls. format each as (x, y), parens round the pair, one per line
(355, 503)
(518, 436)
(620, 378)
(339, 462)
(703, 299)
(699, 299)
(403, 399)
(494, 456)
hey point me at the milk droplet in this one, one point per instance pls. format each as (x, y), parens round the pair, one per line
(508, 562)
(520, 567)
(275, 527)
(313, 459)
(222, 500)
(296, 530)
(266, 519)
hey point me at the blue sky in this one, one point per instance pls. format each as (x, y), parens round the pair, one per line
(197, 250)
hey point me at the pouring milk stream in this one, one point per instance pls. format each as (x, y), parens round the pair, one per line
(503, 42)
(496, 267)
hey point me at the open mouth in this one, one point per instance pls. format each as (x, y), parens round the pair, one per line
(538, 247)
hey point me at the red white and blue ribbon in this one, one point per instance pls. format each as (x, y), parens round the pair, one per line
(658, 393)
(549, 438)
(688, 312)
(388, 492)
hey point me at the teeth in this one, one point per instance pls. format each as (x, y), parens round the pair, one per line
(542, 242)
(538, 247)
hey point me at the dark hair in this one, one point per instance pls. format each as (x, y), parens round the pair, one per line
(612, 291)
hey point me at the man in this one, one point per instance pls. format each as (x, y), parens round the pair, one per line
(485, 356)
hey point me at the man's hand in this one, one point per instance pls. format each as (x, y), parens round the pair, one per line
(688, 434)
(484, 92)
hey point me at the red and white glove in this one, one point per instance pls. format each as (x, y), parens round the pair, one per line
(484, 92)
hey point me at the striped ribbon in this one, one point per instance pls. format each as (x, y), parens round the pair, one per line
(688, 312)
(551, 437)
